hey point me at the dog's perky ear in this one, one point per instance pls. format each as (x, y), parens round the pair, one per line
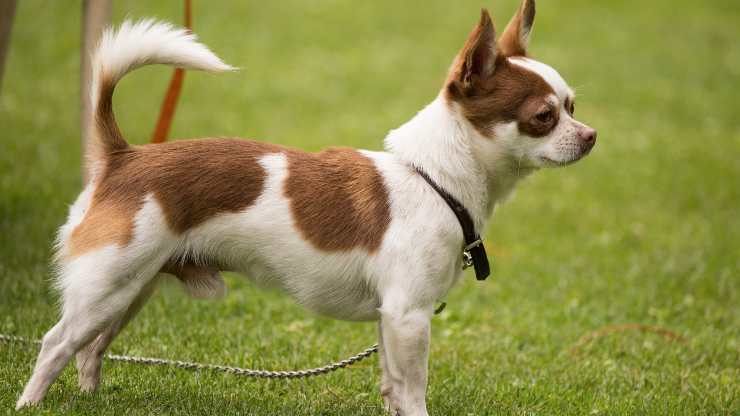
(477, 58)
(514, 40)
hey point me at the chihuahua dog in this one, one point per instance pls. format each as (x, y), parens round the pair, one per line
(352, 234)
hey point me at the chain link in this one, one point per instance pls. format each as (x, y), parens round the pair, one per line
(237, 371)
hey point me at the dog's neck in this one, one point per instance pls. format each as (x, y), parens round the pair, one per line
(443, 143)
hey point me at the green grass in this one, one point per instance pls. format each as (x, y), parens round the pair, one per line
(645, 230)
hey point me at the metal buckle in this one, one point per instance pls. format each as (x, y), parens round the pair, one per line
(467, 259)
(474, 244)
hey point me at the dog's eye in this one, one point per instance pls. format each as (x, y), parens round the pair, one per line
(544, 117)
(572, 108)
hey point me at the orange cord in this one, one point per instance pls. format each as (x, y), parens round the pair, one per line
(169, 103)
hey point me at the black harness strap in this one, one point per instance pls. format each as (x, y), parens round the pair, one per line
(474, 254)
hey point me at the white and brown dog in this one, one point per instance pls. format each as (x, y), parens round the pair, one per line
(352, 234)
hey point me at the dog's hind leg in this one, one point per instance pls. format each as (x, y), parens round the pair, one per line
(202, 282)
(89, 360)
(97, 289)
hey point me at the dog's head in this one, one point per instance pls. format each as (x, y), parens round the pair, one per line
(522, 109)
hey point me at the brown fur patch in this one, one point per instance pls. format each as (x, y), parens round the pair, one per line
(106, 136)
(104, 223)
(338, 199)
(513, 93)
(193, 180)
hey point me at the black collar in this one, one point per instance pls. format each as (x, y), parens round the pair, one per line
(474, 254)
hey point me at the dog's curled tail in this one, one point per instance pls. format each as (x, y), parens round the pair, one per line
(136, 44)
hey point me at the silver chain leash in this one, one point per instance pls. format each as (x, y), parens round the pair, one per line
(237, 371)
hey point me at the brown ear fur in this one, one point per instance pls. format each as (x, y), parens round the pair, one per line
(513, 42)
(476, 60)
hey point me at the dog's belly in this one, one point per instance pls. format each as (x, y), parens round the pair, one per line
(331, 286)
(338, 285)
(329, 291)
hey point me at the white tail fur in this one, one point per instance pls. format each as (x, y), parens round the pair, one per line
(136, 44)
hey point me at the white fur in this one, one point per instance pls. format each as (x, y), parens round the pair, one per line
(147, 42)
(548, 73)
(97, 288)
(418, 262)
(76, 215)
(440, 141)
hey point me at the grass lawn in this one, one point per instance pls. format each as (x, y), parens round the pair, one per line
(644, 231)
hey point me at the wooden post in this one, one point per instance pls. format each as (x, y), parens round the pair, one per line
(7, 11)
(95, 18)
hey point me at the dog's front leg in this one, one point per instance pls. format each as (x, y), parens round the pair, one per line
(405, 345)
(390, 399)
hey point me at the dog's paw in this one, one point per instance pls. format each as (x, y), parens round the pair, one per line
(390, 403)
(24, 402)
(89, 385)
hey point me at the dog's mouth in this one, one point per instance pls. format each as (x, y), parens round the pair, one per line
(561, 163)
(557, 163)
